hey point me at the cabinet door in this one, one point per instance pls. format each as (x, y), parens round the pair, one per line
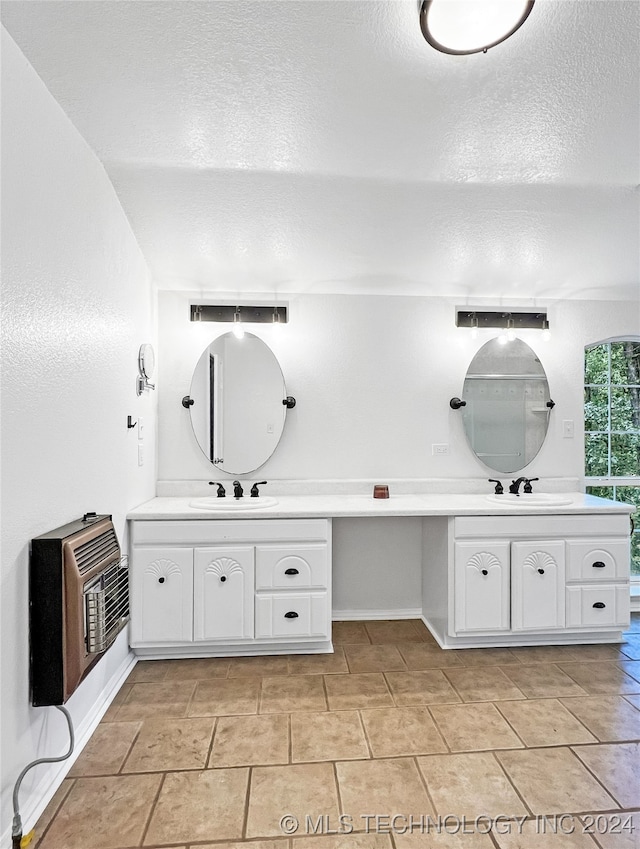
(537, 585)
(223, 581)
(162, 595)
(481, 586)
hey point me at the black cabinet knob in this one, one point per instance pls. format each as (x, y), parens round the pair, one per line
(598, 564)
(291, 572)
(540, 571)
(291, 615)
(485, 571)
(600, 604)
(161, 580)
(223, 578)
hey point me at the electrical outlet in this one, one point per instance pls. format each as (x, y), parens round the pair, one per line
(440, 449)
(269, 428)
(140, 455)
(567, 429)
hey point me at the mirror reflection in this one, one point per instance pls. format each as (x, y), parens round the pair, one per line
(506, 414)
(237, 412)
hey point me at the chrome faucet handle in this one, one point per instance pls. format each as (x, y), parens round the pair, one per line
(499, 487)
(221, 491)
(527, 484)
(254, 489)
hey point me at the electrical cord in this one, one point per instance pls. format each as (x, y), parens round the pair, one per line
(16, 829)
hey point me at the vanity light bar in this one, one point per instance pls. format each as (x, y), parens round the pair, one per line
(503, 318)
(263, 314)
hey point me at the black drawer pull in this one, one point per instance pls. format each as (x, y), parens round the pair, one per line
(540, 571)
(598, 564)
(161, 580)
(291, 572)
(485, 571)
(291, 615)
(223, 578)
(600, 605)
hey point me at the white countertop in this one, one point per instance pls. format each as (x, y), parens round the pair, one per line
(344, 506)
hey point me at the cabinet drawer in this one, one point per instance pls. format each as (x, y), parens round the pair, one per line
(293, 615)
(602, 606)
(598, 560)
(291, 567)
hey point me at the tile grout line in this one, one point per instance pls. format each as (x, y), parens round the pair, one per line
(152, 810)
(511, 782)
(598, 780)
(214, 731)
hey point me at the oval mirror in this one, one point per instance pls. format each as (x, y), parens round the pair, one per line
(507, 405)
(237, 409)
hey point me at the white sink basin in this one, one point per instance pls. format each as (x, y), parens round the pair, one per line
(530, 499)
(212, 502)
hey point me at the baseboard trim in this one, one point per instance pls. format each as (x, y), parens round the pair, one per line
(358, 615)
(33, 806)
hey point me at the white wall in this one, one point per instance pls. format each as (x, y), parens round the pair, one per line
(373, 377)
(77, 305)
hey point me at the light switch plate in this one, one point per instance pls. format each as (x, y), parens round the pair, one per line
(440, 449)
(567, 429)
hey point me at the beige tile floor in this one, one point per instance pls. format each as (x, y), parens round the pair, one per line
(212, 753)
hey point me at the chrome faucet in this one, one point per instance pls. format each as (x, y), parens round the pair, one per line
(237, 489)
(514, 486)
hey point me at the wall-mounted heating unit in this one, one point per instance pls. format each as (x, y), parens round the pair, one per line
(79, 602)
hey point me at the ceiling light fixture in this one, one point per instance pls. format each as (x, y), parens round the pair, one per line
(238, 329)
(460, 27)
(546, 331)
(511, 320)
(258, 314)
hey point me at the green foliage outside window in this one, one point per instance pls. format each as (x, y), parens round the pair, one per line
(612, 425)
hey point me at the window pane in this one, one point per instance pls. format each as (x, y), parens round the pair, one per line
(625, 454)
(596, 365)
(625, 408)
(601, 491)
(596, 402)
(596, 450)
(625, 362)
(635, 555)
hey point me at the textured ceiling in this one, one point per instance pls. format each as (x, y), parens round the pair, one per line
(324, 146)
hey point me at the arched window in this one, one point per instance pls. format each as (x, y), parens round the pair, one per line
(612, 427)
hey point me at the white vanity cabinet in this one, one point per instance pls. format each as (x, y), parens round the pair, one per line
(230, 587)
(528, 579)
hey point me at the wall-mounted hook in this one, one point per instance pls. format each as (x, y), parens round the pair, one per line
(187, 402)
(456, 403)
(130, 424)
(551, 404)
(289, 402)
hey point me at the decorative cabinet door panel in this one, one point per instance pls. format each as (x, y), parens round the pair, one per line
(223, 581)
(162, 595)
(292, 566)
(537, 585)
(482, 586)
